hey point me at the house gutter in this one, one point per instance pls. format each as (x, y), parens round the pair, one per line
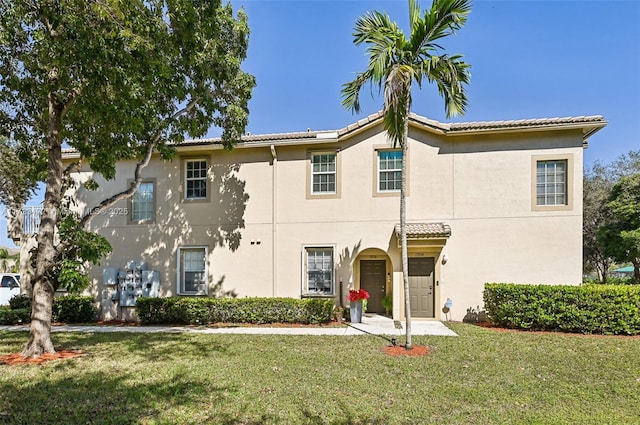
(274, 219)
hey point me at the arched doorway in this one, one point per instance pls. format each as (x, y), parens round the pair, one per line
(374, 275)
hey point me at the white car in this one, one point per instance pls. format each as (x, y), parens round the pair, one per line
(9, 286)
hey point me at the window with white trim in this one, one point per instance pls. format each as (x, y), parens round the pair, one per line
(192, 270)
(318, 271)
(323, 173)
(551, 182)
(195, 179)
(389, 170)
(142, 203)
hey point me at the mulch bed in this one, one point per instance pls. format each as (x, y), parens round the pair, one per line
(16, 358)
(401, 351)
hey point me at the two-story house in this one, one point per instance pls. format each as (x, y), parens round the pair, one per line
(316, 213)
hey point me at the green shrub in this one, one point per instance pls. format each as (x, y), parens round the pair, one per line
(74, 309)
(603, 309)
(9, 316)
(612, 281)
(19, 302)
(239, 310)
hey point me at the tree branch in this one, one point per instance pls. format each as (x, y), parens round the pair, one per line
(106, 203)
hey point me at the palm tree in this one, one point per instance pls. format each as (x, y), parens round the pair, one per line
(395, 63)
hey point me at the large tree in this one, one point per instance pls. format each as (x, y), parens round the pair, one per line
(395, 64)
(597, 186)
(599, 180)
(115, 80)
(620, 237)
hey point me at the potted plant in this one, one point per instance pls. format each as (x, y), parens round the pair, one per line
(355, 299)
(339, 313)
(387, 303)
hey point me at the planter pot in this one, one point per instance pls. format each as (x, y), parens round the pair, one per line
(356, 311)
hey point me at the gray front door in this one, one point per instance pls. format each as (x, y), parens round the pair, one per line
(373, 280)
(421, 288)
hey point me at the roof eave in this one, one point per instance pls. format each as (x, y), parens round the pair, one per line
(588, 129)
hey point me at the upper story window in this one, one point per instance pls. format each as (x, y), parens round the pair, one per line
(323, 173)
(389, 170)
(143, 203)
(318, 271)
(551, 183)
(195, 179)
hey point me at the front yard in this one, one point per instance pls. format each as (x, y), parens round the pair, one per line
(481, 377)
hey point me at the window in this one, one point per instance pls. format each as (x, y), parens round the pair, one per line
(551, 183)
(192, 270)
(143, 204)
(318, 271)
(9, 282)
(389, 170)
(323, 173)
(196, 179)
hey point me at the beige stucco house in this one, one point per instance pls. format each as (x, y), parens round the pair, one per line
(315, 213)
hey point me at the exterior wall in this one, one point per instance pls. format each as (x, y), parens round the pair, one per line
(259, 216)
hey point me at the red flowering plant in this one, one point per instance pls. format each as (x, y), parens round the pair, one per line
(355, 296)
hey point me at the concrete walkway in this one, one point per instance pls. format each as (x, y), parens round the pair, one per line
(371, 324)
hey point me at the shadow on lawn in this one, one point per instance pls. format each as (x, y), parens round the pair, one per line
(75, 391)
(99, 398)
(349, 419)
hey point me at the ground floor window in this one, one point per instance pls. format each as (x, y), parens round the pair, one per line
(318, 271)
(192, 270)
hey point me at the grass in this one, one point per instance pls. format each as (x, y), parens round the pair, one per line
(481, 377)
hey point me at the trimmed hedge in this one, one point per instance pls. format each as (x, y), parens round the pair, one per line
(182, 310)
(14, 317)
(19, 301)
(74, 309)
(66, 309)
(601, 309)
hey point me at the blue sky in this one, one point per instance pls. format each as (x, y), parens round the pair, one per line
(530, 59)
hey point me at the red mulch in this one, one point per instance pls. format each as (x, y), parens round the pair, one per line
(401, 351)
(16, 358)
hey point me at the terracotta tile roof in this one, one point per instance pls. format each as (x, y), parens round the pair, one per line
(588, 124)
(426, 230)
(536, 122)
(248, 138)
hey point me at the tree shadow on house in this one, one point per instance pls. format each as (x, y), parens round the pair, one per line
(215, 223)
(344, 271)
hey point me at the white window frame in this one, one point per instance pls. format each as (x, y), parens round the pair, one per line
(179, 269)
(187, 179)
(305, 274)
(567, 158)
(132, 219)
(379, 170)
(551, 172)
(334, 154)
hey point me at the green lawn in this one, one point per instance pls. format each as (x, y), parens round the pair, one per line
(481, 377)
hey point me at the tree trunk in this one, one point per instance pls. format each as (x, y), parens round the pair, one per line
(636, 269)
(43, 287)
(403, 231)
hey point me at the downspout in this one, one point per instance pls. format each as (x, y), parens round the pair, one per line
(274, 219)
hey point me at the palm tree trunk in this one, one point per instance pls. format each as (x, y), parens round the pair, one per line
(403, 230)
